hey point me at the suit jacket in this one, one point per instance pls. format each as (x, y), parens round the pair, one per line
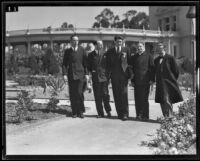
(75, 63)
(166, 79)
(97, 66)
(143, 68)
(117, 64)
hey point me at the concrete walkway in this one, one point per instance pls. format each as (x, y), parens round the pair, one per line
(68, 136)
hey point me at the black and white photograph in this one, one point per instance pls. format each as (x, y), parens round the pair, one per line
(111, 80)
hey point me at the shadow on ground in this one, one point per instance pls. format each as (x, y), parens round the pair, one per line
(129, 119)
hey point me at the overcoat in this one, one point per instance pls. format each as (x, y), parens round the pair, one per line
(142, 67)
(166, 75)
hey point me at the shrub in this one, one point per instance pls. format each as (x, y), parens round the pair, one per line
(50, 62)
(11, 64)
(33, 64)
(177, 134)
(23, 107)
(31, 80)
(185, 80)
(25, 99)
(52, 104)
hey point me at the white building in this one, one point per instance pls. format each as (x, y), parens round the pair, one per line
(173, 18)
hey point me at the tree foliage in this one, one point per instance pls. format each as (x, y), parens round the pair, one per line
(66, 26)
(132, 19)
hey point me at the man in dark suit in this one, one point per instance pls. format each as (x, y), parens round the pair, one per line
(97, 67)
(75, 71)
(143, 66)
(167, 89)
(118, 68)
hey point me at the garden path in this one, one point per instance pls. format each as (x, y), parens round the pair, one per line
(68, 136)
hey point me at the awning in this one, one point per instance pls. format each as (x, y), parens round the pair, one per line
(191, 12)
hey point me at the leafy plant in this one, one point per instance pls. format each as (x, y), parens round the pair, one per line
(185, 80)
(31, 80)
(24, 105)
(56, 85)
(178, 133)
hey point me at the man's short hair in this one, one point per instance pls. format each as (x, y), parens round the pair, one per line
(162, 44)
(95, 42)
(118, 37)
(73, 36)
(140, 42)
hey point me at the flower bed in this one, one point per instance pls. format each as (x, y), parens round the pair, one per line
(185, 80)
(39, 112)
(177, 135)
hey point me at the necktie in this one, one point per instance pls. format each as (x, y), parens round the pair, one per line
(161, 59)
(118, 49)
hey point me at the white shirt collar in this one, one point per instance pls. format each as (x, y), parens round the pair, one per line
(141, 53)
(75, 48)
(120, 48)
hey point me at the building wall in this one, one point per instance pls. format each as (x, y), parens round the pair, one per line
(186, 45)
(158, 15)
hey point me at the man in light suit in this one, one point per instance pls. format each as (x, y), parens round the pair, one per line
(97, 67)
(75, 71)
(118, 59)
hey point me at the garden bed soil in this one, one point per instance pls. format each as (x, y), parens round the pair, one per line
(38, 114)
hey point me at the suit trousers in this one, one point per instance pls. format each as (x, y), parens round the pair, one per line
(101, 95)
(166, 106)
(76, 96)
(120, 93)
(141, 93)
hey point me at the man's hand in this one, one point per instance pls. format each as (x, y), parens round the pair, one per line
(87, 77)
(151, 87)
(65, 78)
(151, 82)
(88, 84)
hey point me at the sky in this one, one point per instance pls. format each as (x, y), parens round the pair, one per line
(81, 17)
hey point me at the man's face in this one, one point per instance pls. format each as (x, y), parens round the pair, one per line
(99, 45)
(90, 46)
(119, 42)
(160, 48)
(140, 48)
(74, 41)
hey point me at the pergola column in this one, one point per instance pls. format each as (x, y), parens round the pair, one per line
(169, 46)
(28, 47)
(9, 46)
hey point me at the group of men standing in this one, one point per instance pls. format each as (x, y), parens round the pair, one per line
(118, 65)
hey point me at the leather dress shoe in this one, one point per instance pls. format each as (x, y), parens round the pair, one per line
(120, 117)
(138, 117)
(100, 116)
(124, 118)
(74, 116)
(81, 115)
(109, 115)
(145, 119)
